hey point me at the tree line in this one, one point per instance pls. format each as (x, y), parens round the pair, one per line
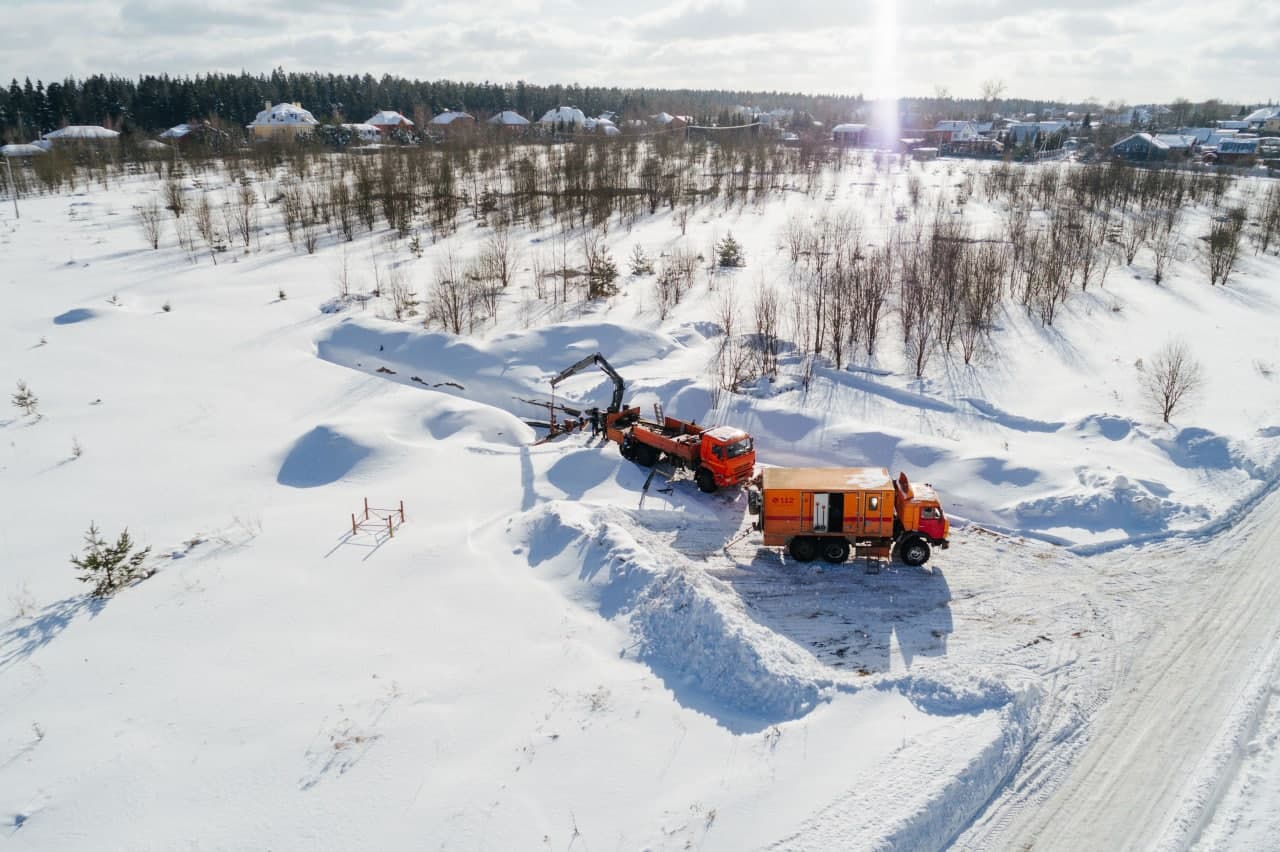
(154, 102)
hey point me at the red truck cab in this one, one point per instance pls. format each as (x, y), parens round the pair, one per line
(729, 454)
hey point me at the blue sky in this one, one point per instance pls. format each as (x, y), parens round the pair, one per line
(1087, 49)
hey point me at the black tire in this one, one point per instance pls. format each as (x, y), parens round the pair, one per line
(706, 481)
(835, 550)
(914, 550)
(646, 455)
(803, 549)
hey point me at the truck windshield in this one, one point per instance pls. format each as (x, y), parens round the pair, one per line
(739, 448)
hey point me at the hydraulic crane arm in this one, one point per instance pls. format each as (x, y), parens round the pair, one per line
(598, 360)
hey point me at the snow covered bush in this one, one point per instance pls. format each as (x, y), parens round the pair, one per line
(109, 567)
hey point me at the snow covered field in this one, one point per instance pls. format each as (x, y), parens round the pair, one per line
(540, 660)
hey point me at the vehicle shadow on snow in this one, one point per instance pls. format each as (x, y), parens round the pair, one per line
(847, 618)
(24, 637)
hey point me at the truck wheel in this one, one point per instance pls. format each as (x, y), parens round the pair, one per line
(914, 551)
(803, 549)
(628, 449)
(646, 455)
(835, 550)
(706, 480)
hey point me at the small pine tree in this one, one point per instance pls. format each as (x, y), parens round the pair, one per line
(25, 399)
(602, 272)
(641, 263)
(109, 567)
(729, 252)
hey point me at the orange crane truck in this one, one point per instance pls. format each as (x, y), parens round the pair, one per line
(718, 457)
(832, 512)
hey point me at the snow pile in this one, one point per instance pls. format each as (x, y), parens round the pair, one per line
(1108, 503)
(696, 635)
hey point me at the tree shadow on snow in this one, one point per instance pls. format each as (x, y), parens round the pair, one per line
(26, 636)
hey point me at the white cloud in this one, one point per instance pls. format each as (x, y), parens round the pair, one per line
(1144, 51)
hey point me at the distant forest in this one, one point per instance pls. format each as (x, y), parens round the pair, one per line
(152, 103)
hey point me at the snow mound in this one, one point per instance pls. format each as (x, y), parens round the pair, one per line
(74, 316)
(697, 637)
(1200, 448)
(320, 457)
(455, 418)
(1107, 426)
(1109, 503)
(518, 364)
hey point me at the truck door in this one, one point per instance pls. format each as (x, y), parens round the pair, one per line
(835, 512)
(821, 510)
(850, 514)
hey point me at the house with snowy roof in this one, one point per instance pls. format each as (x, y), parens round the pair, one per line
(671, 122)
(565, 117)
(21, 151)
(955, 131)
(282, 121)
(363, 132)
(1237, 151)
(1180, 147)
(82, 133)
(509, 121)
(198, 131)
(848, 135)
(1257, 120)
(452, 118)
(1145, 147)
(388, 121)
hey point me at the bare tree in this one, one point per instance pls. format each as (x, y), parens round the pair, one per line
(1224, 246)
(173, 198)
(1172, 375)
(450, 300)
(399, 292)
(499, 256)
(1164, 241)
(149, 219)
(766, 329)
(1132, 236)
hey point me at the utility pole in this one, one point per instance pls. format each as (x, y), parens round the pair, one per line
(13, 187)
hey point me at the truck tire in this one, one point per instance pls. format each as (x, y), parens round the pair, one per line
(803, 549)
(628, 449)
(706, 481)
(913, 550)
(835, 550)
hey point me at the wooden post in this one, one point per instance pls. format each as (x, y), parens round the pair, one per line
(402, 511)
(353, 524)
(366, 508)
(391, 527)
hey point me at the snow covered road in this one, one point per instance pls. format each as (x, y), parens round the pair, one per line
(1149, 769)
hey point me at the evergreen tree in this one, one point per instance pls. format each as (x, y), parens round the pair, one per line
(109, 567)
(729, 252)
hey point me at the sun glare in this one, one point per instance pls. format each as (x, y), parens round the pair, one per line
(885, 73)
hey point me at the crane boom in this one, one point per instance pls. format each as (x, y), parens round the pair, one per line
(598, 360)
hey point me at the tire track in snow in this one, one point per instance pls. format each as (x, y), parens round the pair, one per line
(1139, 780)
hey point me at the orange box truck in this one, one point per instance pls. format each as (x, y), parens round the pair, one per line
(831, 512)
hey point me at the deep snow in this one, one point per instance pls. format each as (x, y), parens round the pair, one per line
(536, 659)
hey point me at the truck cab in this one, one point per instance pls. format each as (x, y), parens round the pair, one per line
(920, 511)
(729, 454)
